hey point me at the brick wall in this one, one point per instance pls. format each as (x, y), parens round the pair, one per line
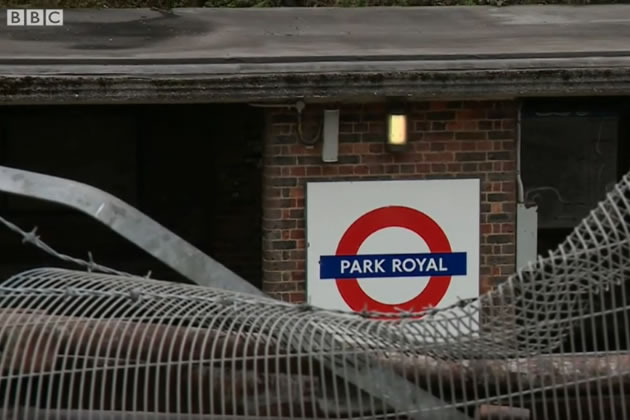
(448, 139)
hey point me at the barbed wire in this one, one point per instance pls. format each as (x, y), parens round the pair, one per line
(31, 237)
(34, 239)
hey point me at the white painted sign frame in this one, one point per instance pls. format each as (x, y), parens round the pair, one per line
(454, 204)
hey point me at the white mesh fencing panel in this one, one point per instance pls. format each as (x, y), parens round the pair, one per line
(89, 345)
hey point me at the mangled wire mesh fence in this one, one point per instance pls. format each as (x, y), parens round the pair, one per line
(75, 342)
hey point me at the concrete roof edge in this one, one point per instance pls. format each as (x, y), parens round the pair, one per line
(321, 87)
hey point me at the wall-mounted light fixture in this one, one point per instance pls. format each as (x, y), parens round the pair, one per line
(330, 148)
(397, 129)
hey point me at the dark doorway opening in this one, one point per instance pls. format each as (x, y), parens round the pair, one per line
(573, 151)
(195, 169)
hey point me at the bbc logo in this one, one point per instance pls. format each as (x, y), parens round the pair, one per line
(34, 17)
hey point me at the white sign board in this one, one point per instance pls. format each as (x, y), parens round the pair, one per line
(389, 246)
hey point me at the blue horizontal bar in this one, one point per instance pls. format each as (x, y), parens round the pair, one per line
(392, 265)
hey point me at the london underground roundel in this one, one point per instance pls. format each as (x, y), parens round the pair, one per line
(439, 253)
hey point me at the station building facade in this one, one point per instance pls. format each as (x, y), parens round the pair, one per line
(207, 139)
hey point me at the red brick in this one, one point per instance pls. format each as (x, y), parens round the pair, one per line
(330, 170)
(454, 167)
(297, 234)
(279, 203)
(376, 148)
(420, 126)
(484, 145)
(310, 171)
(298, 297)
(467, 145)
(284, 297)
(439, 157)
(374, 158)
(423, 168)
(509, 207)
(407, 168)
(297, 171)
(485, 167)
(361, 148)
(392, 169)
(376, 169)
(376, 127)
(297, 255)
(454, 146)
(346, 148)
(421, 146)
(408, 157)
(361, 170)
(471, 114)
(300, 150)
(508, 166)
(296, 192)
(281, 287)
(438, 135)
(484, 149)
(507, 228)
(346, 170)
(461, 125)
(471, 135)
(438, 167)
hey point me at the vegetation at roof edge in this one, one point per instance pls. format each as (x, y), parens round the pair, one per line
(169, 4)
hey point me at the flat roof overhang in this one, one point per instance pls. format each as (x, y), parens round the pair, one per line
(244, 55)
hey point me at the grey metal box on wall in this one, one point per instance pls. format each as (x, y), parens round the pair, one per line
(526, 234)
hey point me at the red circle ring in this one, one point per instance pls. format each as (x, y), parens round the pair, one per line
(381, 218)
